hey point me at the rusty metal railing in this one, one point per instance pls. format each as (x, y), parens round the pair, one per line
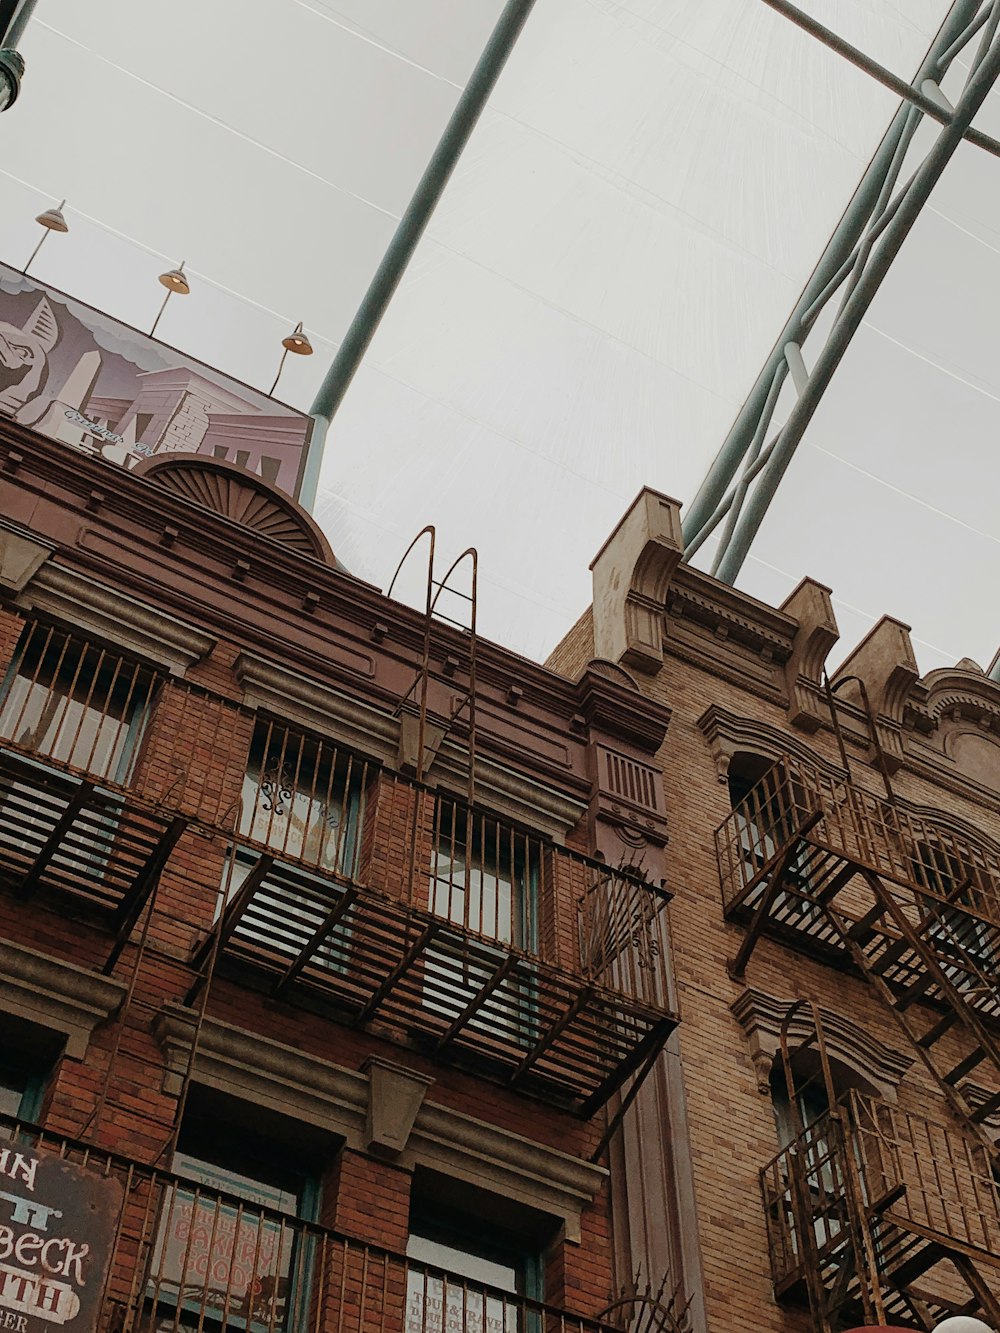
(908, 1168)
(187, 1255)
(955, 869)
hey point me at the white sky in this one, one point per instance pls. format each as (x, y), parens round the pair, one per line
(633, 219)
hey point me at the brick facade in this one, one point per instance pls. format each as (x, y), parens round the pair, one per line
(249, 983)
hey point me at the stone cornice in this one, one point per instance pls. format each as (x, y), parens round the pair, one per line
(318, 1092)
(56, 994)
(761, 1015)
(728, 733)
(203, 567)
(698, 597)
(95, 608)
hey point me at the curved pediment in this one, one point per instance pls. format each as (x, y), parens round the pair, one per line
(240, 496)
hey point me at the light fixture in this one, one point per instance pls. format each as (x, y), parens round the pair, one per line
(175, 280)
(51, 220)
(11, 74)
(297, 342)
(962, 1323)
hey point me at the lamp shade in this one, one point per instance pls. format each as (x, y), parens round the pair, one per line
(297, 342)
(962, 1323)
(175, 281)
(52, 219)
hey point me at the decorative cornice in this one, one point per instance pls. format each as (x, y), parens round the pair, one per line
(811, 605)
(969, 696)
(761, 1015)
(56, 994)
(696, 596)
(109, 614)
(318, 1092)
(631, 575)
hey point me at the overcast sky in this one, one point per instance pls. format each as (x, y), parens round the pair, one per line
(637, 211)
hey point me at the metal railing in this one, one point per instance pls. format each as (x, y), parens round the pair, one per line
(906, 1168)
(336, 822)
(185, 1255)
(957, 870)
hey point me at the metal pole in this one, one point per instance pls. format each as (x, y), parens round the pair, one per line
(848, 233)
(855, 308)
(409, 231)
(20, 11)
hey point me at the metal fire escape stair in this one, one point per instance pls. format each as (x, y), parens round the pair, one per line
(825, 880)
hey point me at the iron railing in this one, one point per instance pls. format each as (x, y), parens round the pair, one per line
(908, 1174)
(186, 1255)
(859, 826)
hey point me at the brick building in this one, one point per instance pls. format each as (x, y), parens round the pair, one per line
(308, 1020)
(335, 948)
(817, 1149)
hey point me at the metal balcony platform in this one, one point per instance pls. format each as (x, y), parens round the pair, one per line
(67, 835)
(481, 1003)
(875, 1206)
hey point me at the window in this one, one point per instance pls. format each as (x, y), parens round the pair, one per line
(75, 702)
(27, 1056)
(20, 1090)
(302, 799)
(485, 877)
(228, 1250)
(765, 797)
(480, 1261)
(964, 944)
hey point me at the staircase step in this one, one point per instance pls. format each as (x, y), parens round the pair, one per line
(966, 1066)
(943, 1025)
(890, 955)
(915, 990)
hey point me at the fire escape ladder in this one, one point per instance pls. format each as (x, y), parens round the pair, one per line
(902, 963)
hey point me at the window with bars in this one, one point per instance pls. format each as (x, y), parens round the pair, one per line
(966, 945)
(484, 876)
(75, 702)
(302, 799)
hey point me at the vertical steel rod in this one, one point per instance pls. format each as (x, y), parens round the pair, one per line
(409, 231)
(848, 233)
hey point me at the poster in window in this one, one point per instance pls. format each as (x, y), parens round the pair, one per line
(107, 390)
(57, 1231)
(223, 1258)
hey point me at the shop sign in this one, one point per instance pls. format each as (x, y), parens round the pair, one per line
(57, 1230)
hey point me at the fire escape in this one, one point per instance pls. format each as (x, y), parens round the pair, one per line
(873, 1212)
(347, 887)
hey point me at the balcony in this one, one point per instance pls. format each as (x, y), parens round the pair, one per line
(874, 1211)
(528, 964)
(182, 1254)
(814, 858)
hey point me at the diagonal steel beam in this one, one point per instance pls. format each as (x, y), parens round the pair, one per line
(856, 259)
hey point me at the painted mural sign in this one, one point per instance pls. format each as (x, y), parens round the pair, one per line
(57, 1229)
(105, 389)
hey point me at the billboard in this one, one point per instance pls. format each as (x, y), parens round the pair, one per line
(106, 389)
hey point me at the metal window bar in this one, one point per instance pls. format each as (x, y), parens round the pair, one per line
(919, 1180)
(185, 1256)
(76, 703)
(859, 826)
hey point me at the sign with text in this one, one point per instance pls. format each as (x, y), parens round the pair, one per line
(57, 1230)
(222, 1258)
(105, 389)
